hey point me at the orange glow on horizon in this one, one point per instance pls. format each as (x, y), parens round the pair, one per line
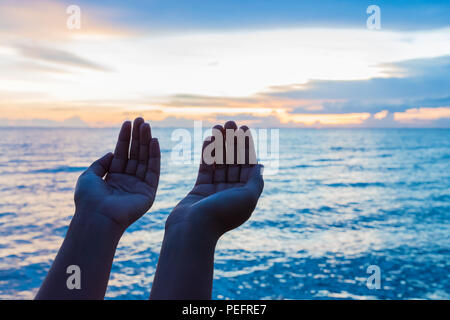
(422, 114)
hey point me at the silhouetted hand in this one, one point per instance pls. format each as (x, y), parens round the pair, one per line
(129, 188)
(224, 195)
(111, 194)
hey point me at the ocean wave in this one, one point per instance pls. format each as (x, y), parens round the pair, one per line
(356, 185)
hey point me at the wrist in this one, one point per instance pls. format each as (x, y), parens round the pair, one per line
(191, 227)
(95, 225)
(186, 263)
(189, 234)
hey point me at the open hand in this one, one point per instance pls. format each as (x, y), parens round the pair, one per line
(224, 195)
(132, 176)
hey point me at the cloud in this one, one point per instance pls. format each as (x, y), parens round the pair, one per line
(74, 122)
(184, 100)
(414, 118)
(421, 83)
(32, 67)
(56, 56)
(381, 115)
(419, 78)
(422, 114)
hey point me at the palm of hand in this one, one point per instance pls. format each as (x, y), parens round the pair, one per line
(129, 188)
(223, 197)
(120, 197)
(226, 205)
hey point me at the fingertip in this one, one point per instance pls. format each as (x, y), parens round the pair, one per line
(109, 155)
(125, 131)
(154, 147)
(126, 124)
(106, 158)
(101, 166)
(144, 133)
(136, 126)
(219, 127)
(138, 120)
(230, 125)
(244, 128)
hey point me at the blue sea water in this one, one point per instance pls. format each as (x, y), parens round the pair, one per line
(343, 199)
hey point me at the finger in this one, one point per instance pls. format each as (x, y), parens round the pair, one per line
(154, 164)
(134, 148)
(233, 170)
(144, 142)
(100, 166)
(249, 156)
(219, 139)
(220, 168)
(255, 183)
(121, 153)
(206, 170)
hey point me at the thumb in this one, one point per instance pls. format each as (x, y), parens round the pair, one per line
(256, 183)
(100, 167)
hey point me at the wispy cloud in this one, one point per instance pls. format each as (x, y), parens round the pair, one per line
(74, 122)
(56, 56)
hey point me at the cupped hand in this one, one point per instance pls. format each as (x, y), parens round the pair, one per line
(225, 194)
(122, 186)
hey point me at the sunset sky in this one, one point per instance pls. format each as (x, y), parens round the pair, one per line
(269, 64)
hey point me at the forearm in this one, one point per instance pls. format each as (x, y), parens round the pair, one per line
(91, 246)
(186, 264)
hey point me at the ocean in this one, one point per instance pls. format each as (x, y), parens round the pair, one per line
(342, 200)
